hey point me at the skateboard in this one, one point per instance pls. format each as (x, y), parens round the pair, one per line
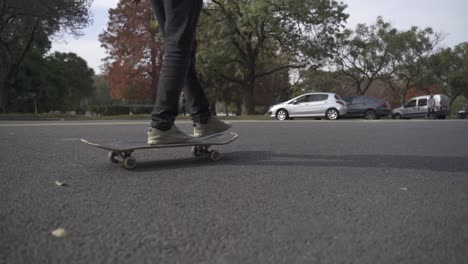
(121, 151)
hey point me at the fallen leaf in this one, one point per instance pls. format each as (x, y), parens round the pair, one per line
(59, 183)
(59, 232)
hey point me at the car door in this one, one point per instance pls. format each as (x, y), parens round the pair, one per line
(410, 109)
(421, 109)
(299, 106)
(317, 105)
(354, 106)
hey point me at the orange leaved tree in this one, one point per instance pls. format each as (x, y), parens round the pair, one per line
(135, 49)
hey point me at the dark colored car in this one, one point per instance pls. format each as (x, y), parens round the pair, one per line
(367, 107)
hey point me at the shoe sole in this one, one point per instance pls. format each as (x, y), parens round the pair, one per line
(210, 135)
(150, 142)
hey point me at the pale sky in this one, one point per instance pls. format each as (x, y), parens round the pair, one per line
(447, 16)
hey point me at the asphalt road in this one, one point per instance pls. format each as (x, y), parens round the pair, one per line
(284, 192)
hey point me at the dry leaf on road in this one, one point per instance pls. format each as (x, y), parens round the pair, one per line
(59, 183)
(59, 232)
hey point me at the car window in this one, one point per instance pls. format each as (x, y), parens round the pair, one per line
(318, 97)
(370, 100)
(422, 102)
(303, 99)
(411, 103)
(337, 97)
(357, 100)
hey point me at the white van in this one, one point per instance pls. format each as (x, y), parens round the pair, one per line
(417, 107)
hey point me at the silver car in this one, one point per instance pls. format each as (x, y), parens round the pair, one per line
(328, 105)
(416, 107)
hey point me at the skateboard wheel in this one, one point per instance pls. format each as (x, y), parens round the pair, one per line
(129, 163)
(111, 157)
(215, 155)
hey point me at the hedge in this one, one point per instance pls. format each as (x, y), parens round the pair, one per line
(110, 110)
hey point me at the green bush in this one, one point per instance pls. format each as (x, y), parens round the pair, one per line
(111, 110)
(261, 110)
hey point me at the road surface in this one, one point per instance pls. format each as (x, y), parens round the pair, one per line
(284, 192)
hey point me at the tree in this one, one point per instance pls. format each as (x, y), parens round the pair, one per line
(23, 23)
(363, 53)
(315, 80)
(408, 65)
(242, 37)
(135, 51)
(101, 93)
(69, 81)
(450, 71)
(30, 81)
(56, 82)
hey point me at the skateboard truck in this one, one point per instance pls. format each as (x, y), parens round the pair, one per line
(203, 151)
(128, 161)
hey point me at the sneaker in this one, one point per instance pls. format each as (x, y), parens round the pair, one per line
(171, 136)
(212, 127)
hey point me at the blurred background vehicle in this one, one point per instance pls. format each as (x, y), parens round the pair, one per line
(463, 113)
(324, 105)
(417, 107)
(367, 107)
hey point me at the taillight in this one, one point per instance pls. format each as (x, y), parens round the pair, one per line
(341, 103)
(384, 104)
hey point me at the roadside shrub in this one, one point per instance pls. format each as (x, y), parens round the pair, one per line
(110, 110)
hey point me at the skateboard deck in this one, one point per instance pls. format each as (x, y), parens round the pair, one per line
(121, 151)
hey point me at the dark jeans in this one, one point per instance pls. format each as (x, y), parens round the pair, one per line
(178, 22)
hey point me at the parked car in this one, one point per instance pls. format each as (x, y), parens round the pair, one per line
(417, 107)
(463, 113)
(367, 107)
(328, 105)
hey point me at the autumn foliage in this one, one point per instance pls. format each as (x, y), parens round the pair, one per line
(135, 51)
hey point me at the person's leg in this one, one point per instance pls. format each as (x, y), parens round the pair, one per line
(204, 124)
(180, 19)
(179, 60)
(196, 101)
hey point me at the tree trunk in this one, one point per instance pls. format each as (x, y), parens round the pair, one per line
(226, 107)
(238, 107)
(35, 104)
(452, 100)
(213, 108)
(3, 96)
(367, 87)
(248, 102)
(358, 88)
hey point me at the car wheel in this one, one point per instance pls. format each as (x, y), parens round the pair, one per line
(332, 114)
(282, 114)
(396, 116)
(370, 114)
